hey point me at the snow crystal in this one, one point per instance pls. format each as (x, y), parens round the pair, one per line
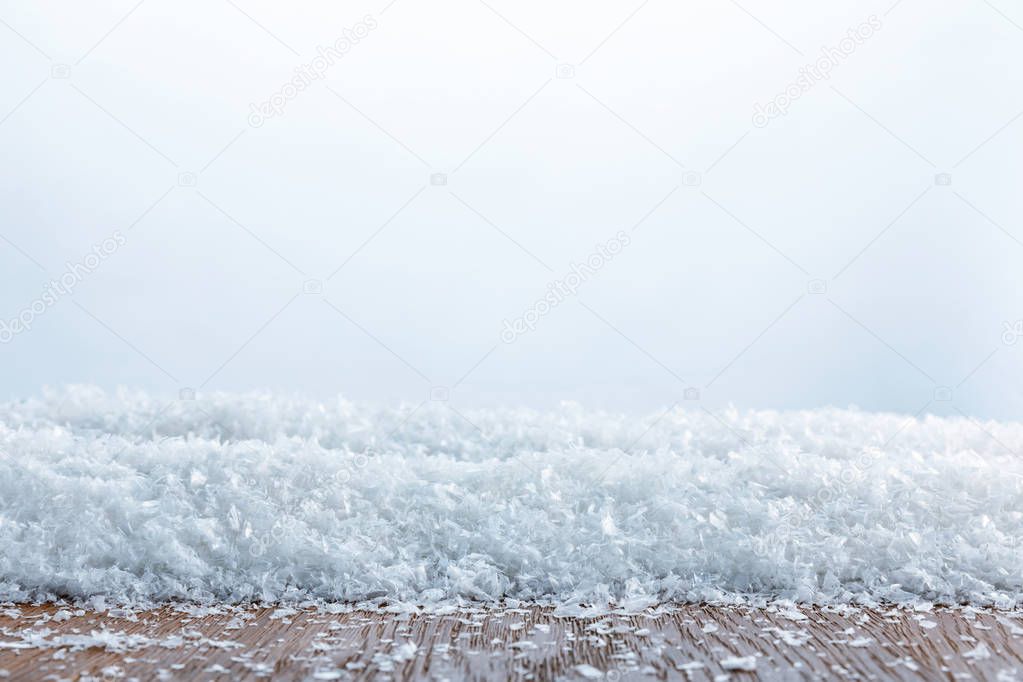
(589, 672)
(981, 652)
(791, 637)
(746, 663)
(126, 498)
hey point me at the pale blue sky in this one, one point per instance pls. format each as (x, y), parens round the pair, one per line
(109, 112)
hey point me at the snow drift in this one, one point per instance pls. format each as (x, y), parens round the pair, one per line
(262, 497)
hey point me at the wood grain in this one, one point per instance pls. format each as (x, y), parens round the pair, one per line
(531, 643)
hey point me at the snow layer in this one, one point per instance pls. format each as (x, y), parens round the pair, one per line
(270, 498)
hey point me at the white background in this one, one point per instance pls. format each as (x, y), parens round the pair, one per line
(711, 294)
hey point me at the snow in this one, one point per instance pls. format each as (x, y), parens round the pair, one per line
(981, 652)
(589, 672)
(790, 637)
(745, 663)
(262, 497)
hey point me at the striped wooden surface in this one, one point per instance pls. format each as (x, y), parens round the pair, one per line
(691, 642)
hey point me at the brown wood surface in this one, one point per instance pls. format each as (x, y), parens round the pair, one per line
(532, 643)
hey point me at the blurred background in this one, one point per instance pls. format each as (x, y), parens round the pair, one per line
(353, 198)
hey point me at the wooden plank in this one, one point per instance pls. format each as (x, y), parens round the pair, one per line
(532, 643)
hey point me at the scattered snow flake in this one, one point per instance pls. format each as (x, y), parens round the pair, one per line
(746, 663)
(589, 672)
(905, 662)
(405, 652)
(790, 637)
(690, 666)
(283, 613)
(1014, 629)
(979, 653)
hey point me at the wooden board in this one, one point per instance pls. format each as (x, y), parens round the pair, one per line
(511, 643)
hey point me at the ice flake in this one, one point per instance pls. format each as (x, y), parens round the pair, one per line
(979, 653)
(746, 663)
(589, 672)
(790, 637)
